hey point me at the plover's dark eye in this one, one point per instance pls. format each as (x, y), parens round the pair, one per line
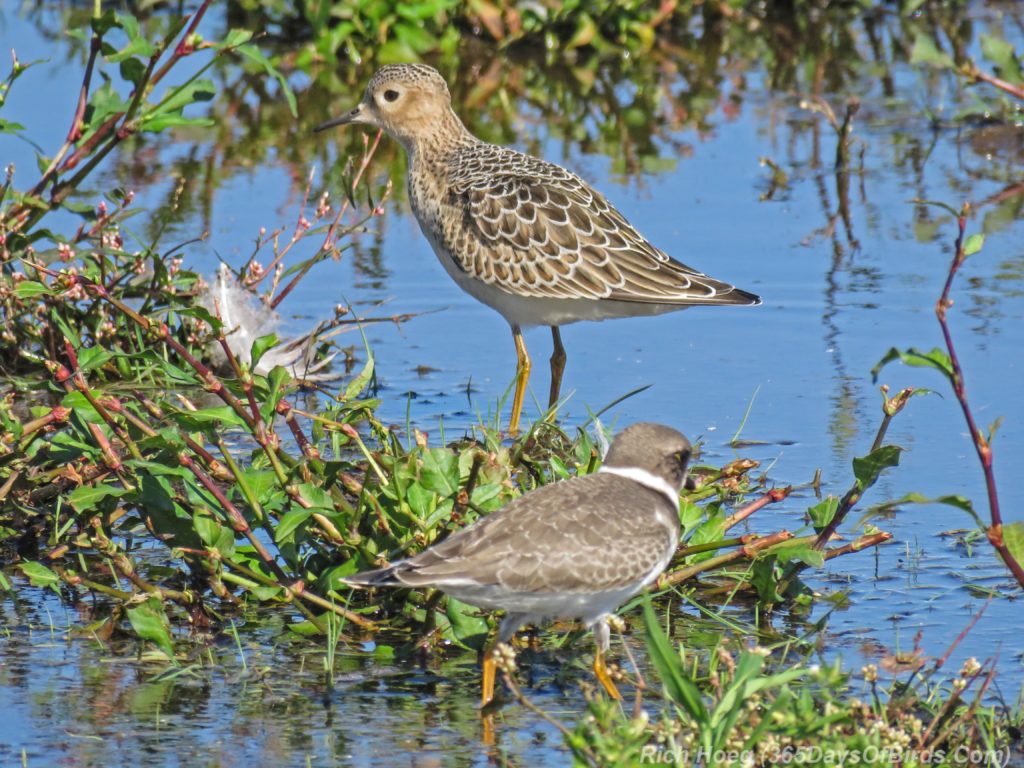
(390, 95)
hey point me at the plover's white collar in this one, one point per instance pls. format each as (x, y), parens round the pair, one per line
(646, 479)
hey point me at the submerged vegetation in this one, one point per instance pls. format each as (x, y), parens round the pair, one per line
(183, 479)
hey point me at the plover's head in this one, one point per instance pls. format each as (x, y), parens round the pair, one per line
(409, 101)
(653, 449)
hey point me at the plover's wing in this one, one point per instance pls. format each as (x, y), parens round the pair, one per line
(588, 534)
(536, 229)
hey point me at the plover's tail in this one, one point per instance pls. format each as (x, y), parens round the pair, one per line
(382, 577)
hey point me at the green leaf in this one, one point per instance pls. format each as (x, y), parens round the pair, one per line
(926, 51)
(440, 471)
(797, 550)
(6, 126)
(679, 687)
(359, 384)
(137, 44)
(150, 622)
(81, 407)
(158, 123)
(277, 380)
(936, 359)
(198, 421)
(1013, 538)
(40, 575)
(867, 468)
(29, 289)
(212, 533)
(1004, 56)
(102, 24)
(821, 514)
(85, 497)
(973, 244)
(180, 97)
(765, 579)
(469, 627)
(286, 527)
(260, 347)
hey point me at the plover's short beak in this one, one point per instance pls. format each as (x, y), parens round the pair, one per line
(689, 484)
(353, 116)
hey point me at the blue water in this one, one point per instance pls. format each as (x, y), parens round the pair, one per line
(793, 374)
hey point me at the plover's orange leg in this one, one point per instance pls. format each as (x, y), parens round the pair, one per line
(557, 365)
(606, 679)
(522, 376)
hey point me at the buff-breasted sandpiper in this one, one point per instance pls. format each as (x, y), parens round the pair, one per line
(524, 236)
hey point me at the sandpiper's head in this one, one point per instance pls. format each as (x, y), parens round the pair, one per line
(662, 451)
(406, 100)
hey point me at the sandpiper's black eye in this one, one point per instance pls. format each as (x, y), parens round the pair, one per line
(390, 95)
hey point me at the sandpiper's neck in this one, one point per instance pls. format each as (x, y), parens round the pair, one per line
(446, 135)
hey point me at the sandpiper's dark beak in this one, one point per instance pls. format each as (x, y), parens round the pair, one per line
(353, 116)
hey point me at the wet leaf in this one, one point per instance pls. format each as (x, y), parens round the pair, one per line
(40, 576)
(150, 622)
(867, 468)
(765, 579)
(468, 625)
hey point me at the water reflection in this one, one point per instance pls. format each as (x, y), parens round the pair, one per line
(848, 268)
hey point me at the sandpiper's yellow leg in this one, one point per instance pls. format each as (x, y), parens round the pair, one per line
(602, 674)
(522, 375)
(489, 671)
(557, 365)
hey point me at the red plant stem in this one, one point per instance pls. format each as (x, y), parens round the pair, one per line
(261, 434)
(284, 408)
(1014, 90)
(981, 443)
(235, 518)
(771, 497)
(332, 229)
(870, 540)
(110, 457)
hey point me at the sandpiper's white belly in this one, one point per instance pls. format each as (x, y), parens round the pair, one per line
(527, 311)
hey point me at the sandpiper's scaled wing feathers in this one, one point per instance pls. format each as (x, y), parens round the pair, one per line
(555, 538)
(537, 229)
